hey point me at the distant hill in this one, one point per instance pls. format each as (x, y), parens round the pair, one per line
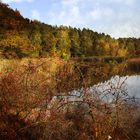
(21, 37)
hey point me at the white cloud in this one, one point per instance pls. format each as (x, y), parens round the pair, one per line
(76, 13)
(67, 17)
(10, 1)
(35, 14)
(123, 30)
(69, 14)
(71, 2)
(100, 13)
(126, 2)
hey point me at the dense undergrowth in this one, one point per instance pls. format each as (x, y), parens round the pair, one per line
(36, 104)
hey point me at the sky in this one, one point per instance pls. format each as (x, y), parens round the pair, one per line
(118, 18)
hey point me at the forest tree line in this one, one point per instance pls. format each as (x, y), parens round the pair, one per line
(21, 37)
